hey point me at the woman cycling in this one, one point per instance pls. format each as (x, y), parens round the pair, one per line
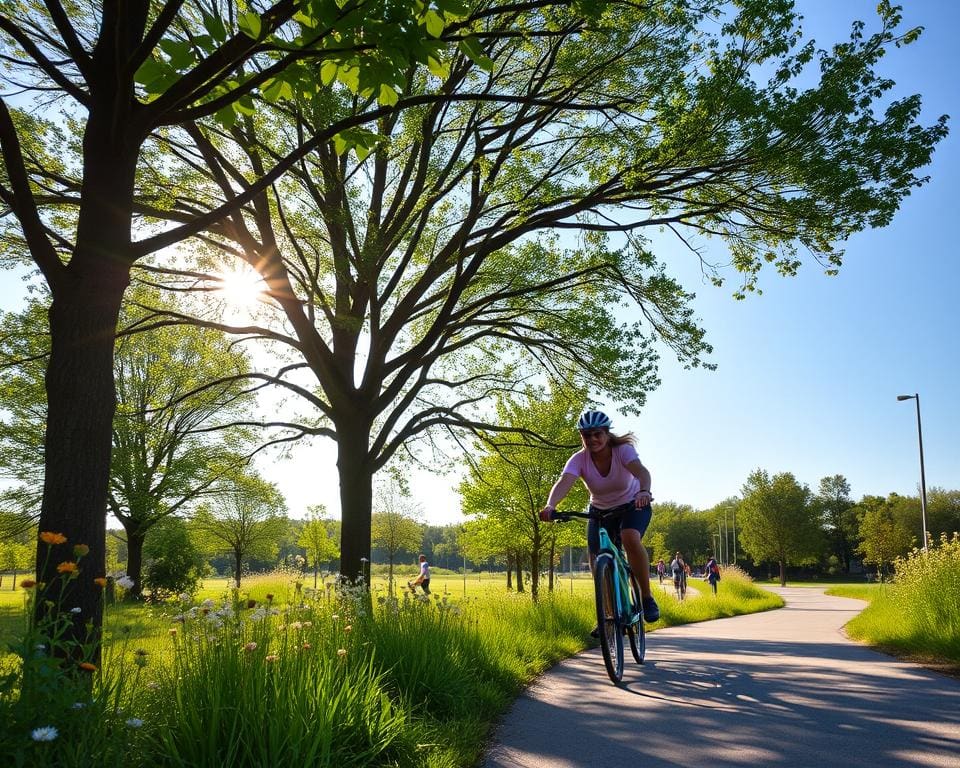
(619, 488)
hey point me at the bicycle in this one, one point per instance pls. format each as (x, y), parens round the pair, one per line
(619, 610)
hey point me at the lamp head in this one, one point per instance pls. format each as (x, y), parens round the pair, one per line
(905, 397)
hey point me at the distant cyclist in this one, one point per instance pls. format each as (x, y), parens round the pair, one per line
(679, 570)
(619, 485)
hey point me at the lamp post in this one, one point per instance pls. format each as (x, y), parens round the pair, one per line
(923, 480)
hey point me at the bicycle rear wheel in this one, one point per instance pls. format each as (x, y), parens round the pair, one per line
(608, 622)
(636, 631)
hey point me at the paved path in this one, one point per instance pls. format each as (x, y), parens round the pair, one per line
(781, 688)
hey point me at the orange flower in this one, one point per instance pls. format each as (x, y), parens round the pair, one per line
(79, 550)
(67, 567)
(28, 584)
(86, 666)
(53, 538)
(100, 581)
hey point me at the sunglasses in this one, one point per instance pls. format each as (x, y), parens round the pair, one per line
(588, 433)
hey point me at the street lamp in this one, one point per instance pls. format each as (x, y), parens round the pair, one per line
(923, 480)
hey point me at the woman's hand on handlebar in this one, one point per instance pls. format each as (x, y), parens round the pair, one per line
(547, 513)
(643, 498)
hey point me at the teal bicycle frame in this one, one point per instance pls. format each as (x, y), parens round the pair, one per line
(627, 612)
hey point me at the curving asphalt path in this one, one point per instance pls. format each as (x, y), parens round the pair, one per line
(780, 688)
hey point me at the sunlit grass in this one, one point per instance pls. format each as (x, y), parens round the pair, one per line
(352, 679)
(918, 615)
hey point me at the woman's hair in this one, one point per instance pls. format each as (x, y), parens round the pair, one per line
(622, 439)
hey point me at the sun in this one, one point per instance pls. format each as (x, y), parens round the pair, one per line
(241, 289)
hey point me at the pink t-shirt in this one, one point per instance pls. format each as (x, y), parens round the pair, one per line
(618, 487)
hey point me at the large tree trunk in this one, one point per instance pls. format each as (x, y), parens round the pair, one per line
(518, 562)
(81, 400)
(237, 566)
(356, 499)
(135, 562)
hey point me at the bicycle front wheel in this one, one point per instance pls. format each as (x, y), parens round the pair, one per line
(636, 632)
(608, 621)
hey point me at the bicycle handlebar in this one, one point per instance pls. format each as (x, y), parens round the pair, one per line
(562, 516)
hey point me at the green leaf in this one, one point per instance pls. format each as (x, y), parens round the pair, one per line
(180, 53)
(215, 27)
(150, 71)
(245, 105)
(472, 50)
(388, 97)
(350, 77)
(250, 24)
(275, 90)
(439, 68)
(328, 71)
(433, 22)
(226, 116)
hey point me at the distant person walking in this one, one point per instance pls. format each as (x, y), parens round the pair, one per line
(423, 579)
(713, 573)
(679, 570)
(661, 570)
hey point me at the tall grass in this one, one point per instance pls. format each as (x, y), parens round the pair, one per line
(283, 675)
(919, 613)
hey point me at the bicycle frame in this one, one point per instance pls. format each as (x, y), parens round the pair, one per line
(626, 611)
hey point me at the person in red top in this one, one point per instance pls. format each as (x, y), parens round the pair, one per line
(619, 485)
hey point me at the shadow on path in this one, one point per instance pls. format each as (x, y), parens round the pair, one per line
(782, 688)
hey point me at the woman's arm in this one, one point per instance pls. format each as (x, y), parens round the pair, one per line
(560, 489)
(642, 474)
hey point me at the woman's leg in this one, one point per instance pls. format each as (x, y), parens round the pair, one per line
(637, 557)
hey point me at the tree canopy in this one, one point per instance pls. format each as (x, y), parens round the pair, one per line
(776, 520)
(402, 209)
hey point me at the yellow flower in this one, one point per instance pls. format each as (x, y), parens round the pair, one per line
(67, 567)
(80, 550)
(348, 628)
(86, 666)
(342, 652)
(53, 538)
(100, 581)
(28, 584)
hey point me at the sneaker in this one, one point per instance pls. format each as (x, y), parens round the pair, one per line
(650, 610)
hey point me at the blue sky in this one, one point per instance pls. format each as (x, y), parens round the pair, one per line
(808, 373)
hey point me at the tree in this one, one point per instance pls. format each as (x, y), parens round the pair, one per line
(885, 533)
(510, 477)
(179, 395)
(315, 538)
(432, 248)
(682, 528)
(244, 522)
(943, 512)
(776, 520)
(174, 563)
(127, 73)
(394, 526)
(15, 556)
(837, 517)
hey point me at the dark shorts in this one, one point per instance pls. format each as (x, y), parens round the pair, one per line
(425, 586)
(625, 516)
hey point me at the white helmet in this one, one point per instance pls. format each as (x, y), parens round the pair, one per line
(593, 420)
